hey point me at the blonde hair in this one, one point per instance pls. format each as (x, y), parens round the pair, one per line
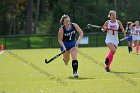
(129, 23)
(136, 22)
(110, 12)
(62, 18)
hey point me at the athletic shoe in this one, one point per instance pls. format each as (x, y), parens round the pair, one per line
(107, 69)
(75, 75)
(66, 63)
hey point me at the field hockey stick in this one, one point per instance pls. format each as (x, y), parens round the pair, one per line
(50, 60)
(123, 38)
(100, 27)
(94, 26)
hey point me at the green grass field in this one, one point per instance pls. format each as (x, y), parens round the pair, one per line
(24, 71)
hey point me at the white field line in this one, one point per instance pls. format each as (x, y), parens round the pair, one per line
(38, 82)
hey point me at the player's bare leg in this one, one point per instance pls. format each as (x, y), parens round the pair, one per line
(66, 57)
(137, 47)
(73, 52)
(109, 56)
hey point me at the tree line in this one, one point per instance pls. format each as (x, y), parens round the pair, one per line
(19, 17)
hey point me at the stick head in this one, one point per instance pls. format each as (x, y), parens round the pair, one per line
(88, 25)
(46, 61)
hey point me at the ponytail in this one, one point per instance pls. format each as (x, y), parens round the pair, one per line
(62, 19)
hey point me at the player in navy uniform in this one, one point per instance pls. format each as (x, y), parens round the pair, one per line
(129, 35)
(66, 39)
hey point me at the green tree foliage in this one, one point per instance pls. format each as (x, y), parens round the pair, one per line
(47, 13)
(10, 11)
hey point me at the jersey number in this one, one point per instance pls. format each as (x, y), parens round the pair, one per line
(70, 37)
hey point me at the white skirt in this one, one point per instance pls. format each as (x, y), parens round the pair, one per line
(135, 37)
(114, 41)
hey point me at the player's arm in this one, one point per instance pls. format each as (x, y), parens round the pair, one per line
(79, 30)
(132, 31)
(60, 38)
(122, 28)
(126, 28)
(105, 26)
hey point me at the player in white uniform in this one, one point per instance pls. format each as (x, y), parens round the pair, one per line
(136, 36)
(112, 41)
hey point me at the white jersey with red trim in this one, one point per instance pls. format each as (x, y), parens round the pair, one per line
(136, 33)
(112, 35)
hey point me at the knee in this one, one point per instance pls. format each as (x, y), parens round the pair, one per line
(74, 55)
(113, 51)
(66, 59)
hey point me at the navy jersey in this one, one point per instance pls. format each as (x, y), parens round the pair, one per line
(69, 35)
(128, 31)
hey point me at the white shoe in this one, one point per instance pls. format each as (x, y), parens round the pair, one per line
(75, 75)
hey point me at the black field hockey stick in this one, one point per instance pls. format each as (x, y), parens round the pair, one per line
(50, 60)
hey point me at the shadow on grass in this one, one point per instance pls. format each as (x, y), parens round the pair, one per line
(133, 53)
(80, 78)
(124, 72)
